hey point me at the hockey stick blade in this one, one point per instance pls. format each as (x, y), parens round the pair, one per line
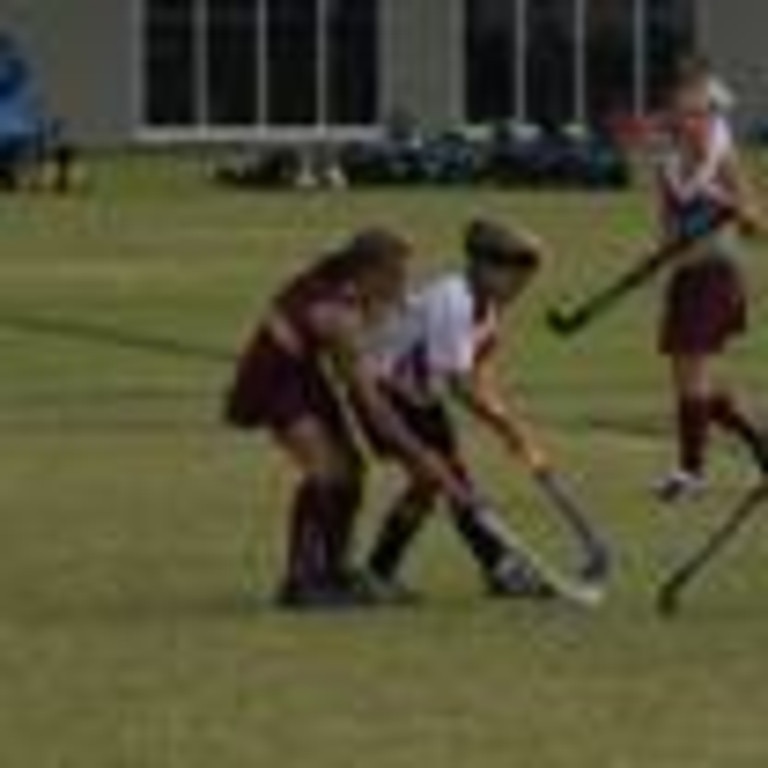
(669, 595)
(565, 323)
(580, 593)
(596, 553)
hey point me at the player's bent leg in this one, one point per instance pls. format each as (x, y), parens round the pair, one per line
(322, 516)
(346, 486)
(395, 536)
(727, 412)
(505, 571)
(690, 376)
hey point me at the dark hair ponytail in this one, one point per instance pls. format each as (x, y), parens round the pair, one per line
(489, 243)
(369, 249)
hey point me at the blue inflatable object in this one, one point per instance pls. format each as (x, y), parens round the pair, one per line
(21, 123)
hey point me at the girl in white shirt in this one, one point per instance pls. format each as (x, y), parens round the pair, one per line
(440, 349)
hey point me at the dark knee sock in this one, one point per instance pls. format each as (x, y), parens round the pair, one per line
(724, 411)
(307, 543)
(397, 532)
(338, 523)
(481, 531)
(692, 428)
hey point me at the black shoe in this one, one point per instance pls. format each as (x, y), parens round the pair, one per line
(389, 590)
(597, 566)
(519, 581)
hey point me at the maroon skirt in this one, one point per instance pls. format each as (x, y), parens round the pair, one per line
(273, 389)
(705, 305)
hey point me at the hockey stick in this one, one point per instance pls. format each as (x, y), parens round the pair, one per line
(668, 597)
(95, 332)
(597, 558)
(565, 321)
(581, 593)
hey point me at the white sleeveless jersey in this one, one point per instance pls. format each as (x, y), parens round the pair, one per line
(438, 334)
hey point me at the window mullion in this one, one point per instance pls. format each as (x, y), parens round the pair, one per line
(321, 62)
(640, 47)
(200, 62)
(521, 60)
(580, 61)
(262, 52)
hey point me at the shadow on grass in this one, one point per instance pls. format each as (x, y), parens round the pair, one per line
(87, 331)
(158, 609)
(641, 425)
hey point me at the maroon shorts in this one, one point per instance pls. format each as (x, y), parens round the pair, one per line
(705, 305)
(273, 389)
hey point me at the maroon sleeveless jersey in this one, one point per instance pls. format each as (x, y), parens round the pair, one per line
(326, 282)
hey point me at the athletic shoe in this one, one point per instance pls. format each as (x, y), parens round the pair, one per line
(679, 485)
(389, 590)
(515, 579)
(540, 581)
(597, 565)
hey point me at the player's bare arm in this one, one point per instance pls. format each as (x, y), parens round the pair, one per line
(743, 198)
(480, 392)
(343, 331)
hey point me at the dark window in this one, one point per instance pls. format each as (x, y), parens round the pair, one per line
(490, 55)
(293, 93)
(352, 61)
(170, 63)
(610, 57)
(551, 61)
(671, 36)
(232, 66)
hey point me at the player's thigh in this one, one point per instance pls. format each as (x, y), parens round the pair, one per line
(692, 374)
(317, 451)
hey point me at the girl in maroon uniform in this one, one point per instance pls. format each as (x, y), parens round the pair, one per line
(291, 379)
(705, 304)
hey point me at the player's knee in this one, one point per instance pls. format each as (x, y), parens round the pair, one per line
(421, 497)
(338, 469)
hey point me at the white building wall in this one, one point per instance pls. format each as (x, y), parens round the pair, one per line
(733, 33)
(85, 52)
(82, 53)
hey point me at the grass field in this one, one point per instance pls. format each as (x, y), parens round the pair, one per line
(139, 540)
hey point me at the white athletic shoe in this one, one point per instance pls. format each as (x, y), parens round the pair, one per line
(679, 485)
(536, 579)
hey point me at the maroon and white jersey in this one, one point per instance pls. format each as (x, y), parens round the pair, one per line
(440, 332)
(693, 187)
(684, 178)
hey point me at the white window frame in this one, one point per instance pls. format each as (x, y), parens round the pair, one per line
(259, 132)
(581, 83)
(580, 43)
(138, 50)
(521, 61)
(640, 37)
